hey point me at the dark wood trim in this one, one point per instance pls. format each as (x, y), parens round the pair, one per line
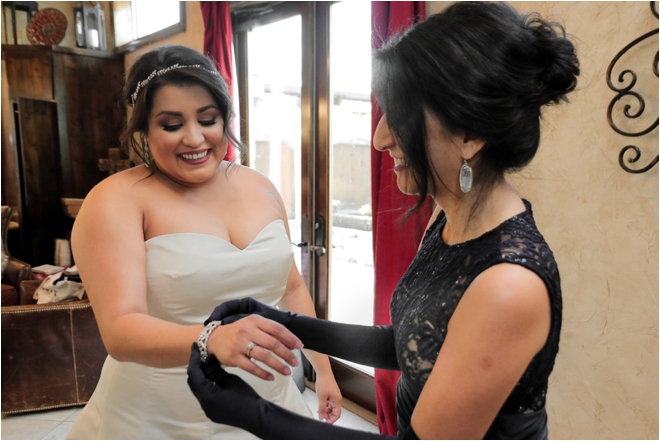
(243, 79)
(249, 15)
(322, 159)
(41, 179)
(308, 146)
(11, 189)
(23, 48)
(59, 79)
(351, 406)
(85, 52)
(355, 385)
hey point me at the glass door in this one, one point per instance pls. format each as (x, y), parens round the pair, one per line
(351, 293)
(303, 79)
(274, 100)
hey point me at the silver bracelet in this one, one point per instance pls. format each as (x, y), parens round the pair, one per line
(204, 336)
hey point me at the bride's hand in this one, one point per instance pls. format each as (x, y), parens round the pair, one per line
(229, 343)
(329, 397)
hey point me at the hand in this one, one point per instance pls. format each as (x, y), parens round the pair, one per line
(229, 344)
(242, 307)
(329, 397)
(225, 398)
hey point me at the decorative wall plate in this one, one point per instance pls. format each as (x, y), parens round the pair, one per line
(47, 27)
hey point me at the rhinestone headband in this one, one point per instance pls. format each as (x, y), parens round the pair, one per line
(157, 73)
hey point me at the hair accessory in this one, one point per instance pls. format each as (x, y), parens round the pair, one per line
(157, 73)
(249, 348)
(204, 336)
(465, 178)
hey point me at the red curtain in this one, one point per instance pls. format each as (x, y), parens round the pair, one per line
(218, 39)
(395, 243)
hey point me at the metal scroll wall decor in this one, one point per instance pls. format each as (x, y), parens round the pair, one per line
(626, 91)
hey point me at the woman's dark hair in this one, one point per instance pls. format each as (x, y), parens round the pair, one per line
(164, 57)
(483, 69)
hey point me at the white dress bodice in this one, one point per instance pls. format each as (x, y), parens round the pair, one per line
(188, 275)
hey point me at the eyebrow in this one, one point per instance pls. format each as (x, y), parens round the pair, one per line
(200, 110)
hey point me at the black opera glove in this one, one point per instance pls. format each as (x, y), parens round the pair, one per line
(367, 345)
(227, 399)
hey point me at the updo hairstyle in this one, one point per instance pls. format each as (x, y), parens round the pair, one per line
(483, 69)
(164, 57)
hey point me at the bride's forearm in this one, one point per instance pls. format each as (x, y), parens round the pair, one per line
(140, 338)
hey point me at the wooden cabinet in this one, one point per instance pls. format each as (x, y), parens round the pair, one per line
(61, 112)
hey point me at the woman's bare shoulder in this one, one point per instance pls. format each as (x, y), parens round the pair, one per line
(239, 171)
(122, 181)
(248, 177)
(118, 191)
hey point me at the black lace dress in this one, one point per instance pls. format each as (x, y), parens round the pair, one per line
(428, 293)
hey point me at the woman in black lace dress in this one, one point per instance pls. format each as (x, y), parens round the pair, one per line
(477, 316)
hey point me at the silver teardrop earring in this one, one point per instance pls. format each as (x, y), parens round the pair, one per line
(465, 178)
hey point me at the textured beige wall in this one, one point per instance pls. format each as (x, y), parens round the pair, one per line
(602, 224)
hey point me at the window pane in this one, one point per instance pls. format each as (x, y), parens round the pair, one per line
(151, 18)
(123, 19)
(351, 272)
(136, 19)
(275, 79)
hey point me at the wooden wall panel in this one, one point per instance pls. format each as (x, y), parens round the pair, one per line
(29, 72)
(11, 187)
(40, 155)
(88, 96)
(69, 116)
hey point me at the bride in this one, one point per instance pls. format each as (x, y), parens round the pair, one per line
(160, 245)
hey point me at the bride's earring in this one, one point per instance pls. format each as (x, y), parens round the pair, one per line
(146, 154)
(465, 178)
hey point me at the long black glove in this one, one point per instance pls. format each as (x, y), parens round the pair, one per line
(367, 345)
(227, 399)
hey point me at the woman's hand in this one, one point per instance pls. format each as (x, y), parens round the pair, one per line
(225, 398)
(229, 344)
(329, 397)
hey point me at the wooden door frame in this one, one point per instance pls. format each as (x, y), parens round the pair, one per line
(355, 385)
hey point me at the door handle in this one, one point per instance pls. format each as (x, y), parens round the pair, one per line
(319, 236)
(318, 249)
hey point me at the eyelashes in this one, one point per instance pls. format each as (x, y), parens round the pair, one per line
(175, 127)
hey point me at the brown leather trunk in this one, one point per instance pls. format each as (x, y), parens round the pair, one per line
(52, 354)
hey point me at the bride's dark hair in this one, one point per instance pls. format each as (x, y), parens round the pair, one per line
(163, 58)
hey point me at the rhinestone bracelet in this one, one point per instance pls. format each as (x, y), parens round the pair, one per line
(204, 336)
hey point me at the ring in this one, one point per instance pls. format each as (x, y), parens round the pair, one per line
(249, 348)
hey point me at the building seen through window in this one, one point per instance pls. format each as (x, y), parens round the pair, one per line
(275, 85)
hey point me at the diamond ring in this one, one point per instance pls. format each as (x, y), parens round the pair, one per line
(249, 348)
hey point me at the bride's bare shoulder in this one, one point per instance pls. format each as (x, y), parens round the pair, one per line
(125, 178)
(121, 187)
(247, 176)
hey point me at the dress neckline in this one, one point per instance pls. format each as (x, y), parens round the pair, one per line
(221, 239)
(441, 221)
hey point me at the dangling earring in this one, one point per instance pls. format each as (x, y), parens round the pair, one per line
(465, 178)
(146, 154)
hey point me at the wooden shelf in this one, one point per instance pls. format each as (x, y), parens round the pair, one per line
(71, 206)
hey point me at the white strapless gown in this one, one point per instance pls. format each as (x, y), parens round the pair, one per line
(188, 275)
